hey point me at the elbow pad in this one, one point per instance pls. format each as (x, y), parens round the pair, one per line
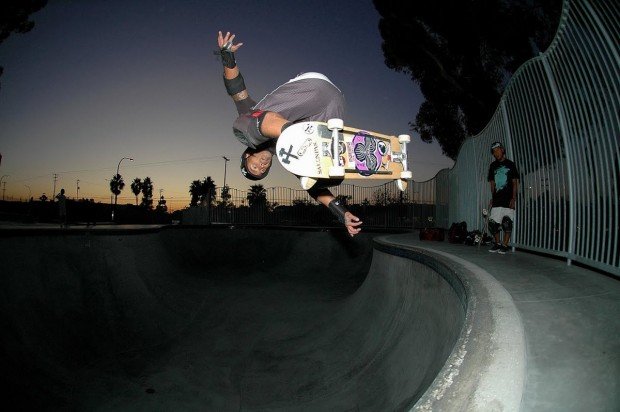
(234, 86)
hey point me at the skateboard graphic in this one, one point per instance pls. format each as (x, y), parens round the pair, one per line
(318, 150)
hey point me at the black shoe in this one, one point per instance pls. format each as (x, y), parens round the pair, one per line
(496, 247)
(502, 250)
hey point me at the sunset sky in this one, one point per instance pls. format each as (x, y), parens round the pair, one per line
(96, 81)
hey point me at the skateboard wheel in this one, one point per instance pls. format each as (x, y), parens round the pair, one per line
(337, 124)
(307, 182)
(336, 171)
(406, 175)
(402, 185)
(404, 138)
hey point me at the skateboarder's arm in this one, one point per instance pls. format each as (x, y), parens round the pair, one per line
(326, 198)
(233, 80)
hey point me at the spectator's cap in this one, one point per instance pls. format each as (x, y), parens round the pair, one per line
(495, 145)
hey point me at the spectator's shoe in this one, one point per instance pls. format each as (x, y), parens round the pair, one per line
(502, 250)
(496, 247)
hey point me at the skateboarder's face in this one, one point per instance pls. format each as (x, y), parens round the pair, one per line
(259, 162)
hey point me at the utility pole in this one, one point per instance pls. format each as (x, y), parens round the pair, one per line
(117, 174)
(1, 181)
(77, 191)
(54, 191)
(226, 160)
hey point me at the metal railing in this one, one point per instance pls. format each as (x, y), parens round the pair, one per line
(559, 120)
(382, 205)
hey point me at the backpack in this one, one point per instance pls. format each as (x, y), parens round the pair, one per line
(457, 232)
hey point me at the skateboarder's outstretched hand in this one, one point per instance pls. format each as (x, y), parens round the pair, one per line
(223, 41)
(352, 223)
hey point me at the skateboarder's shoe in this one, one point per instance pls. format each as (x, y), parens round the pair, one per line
(502, 250)
(496, 247)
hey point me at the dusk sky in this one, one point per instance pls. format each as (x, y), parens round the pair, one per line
(96, 81)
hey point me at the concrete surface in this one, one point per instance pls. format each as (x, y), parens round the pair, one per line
(263, 319)
(571, 321)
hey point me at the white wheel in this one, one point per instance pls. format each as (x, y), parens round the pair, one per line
(406, 175)
(336, 171)
(337, 124)
(307, 182)
(402, 185)
(404, 138)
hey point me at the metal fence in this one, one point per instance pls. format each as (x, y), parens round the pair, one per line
(559, 120)
(382, 206)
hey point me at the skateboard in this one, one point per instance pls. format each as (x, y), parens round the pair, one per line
(485, 228)
(316, 150)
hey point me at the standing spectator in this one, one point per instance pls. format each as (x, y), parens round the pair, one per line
(504, 179)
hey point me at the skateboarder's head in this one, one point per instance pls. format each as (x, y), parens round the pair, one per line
(255, 163)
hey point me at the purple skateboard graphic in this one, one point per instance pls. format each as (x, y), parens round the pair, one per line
(368, 152)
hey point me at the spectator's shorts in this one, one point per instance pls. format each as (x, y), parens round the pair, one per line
(498, 213)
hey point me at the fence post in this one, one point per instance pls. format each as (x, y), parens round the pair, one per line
(557, 100)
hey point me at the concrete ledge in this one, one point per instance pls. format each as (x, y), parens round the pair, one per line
(486, 369)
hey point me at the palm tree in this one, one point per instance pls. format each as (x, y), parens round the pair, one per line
(147, 193)
(202, 191)
(257, 196)
(207, 192)
(136, 187)
(194, 191)
(116, 186)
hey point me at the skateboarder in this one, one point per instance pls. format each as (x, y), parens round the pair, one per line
(504, 180)
(307, 97)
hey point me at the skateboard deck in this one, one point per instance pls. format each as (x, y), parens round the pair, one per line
(306, 149)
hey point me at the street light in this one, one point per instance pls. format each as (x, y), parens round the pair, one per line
(29, 192)
(226, 160)
(117, 173)
(1, 181)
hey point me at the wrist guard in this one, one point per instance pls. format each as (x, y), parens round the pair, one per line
(234, 86)
(228, 57)
(337, 209)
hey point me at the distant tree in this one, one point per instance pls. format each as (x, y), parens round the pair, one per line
(136, 188)
(161, 205)
(14, 17)
(301, 202)
(207, 197)
(257, 196)
(194, 191)
(462, 54)
(116, 186)
(202, 192)
(147, 193)
(225, 197)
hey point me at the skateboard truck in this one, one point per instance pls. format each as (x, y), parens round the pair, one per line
(335, 125)
(406, 174)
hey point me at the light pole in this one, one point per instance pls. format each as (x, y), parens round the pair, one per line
(29, 192)
(226, 160)
(117, 174)
(77, 190)
(4, 188)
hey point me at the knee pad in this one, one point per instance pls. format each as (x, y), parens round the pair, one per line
(507, 224)
(494, 227)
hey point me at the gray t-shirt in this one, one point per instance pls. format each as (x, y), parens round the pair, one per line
(308, 97)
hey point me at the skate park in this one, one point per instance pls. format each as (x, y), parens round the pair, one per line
(112, 318)
(241, 315)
